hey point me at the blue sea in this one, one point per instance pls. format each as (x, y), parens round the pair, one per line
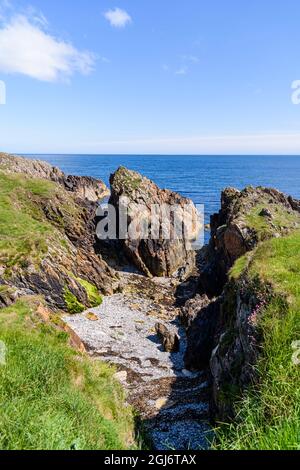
(200, 178)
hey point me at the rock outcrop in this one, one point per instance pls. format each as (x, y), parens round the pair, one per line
(83, 187)
(222, 333)
(155, 256)
(237, 342)
(59, 260)
(246, 217)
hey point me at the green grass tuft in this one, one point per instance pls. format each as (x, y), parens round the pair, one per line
(239, 267)
(53, 399)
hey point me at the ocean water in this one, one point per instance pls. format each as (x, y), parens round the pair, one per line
(201, 178)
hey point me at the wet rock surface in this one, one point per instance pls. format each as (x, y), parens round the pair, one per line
(172, 401)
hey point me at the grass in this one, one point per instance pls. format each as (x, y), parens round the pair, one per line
(268, 416)
(128, 180)
(51, 398)
(265, 228)
(239, 267)
(23, 228)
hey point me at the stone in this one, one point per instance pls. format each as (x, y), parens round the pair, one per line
(44, 313)
(164, 403)
(161, 257)
(84, 187)
(266, 213)
(169, 339)
(192, 308)
(188, 373)
(71, 255)
(91, 316)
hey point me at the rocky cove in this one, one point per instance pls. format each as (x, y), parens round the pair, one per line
(181, 327)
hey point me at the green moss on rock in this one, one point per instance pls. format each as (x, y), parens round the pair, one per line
(72, 303)
(95, 299)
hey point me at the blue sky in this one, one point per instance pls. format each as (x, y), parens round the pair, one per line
(150, 76)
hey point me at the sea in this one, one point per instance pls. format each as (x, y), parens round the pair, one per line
(200, 178)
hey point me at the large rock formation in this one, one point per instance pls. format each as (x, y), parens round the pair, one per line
(56, 257)
(246, 217)
(222, 332)
(83, 187)
(158, 256)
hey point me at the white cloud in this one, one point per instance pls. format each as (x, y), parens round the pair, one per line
(118, 18)
(182, 71)
(26, 48)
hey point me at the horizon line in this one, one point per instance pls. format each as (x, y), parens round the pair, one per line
(158, 154)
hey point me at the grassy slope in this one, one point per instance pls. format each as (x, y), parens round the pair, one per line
(49, 397)
(23, 232)
(269, 415)
(26, 234)
(52, 398)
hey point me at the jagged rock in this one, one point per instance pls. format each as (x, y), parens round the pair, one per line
(192, 308)
(68, 258)
(169, 339)
(223, 333)
(82, 186)
(161, 256)
(240, 225)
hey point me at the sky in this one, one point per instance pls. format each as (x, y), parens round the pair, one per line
(150, 76)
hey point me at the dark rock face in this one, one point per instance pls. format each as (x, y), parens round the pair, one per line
(192, 308)
(154, 256)
(83, 187)
(169, 339)
(237, 343)
(200, 333)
